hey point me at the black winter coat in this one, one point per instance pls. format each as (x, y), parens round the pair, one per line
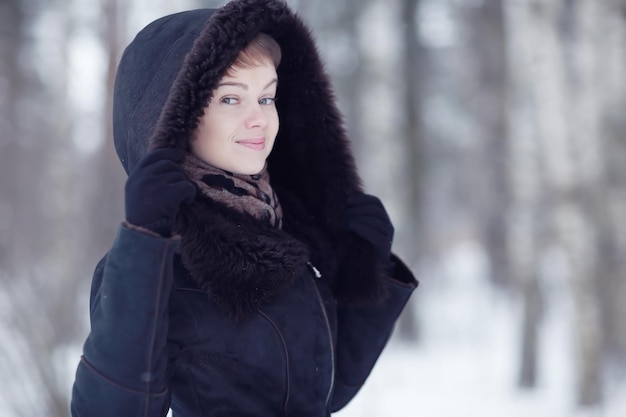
(267, 322)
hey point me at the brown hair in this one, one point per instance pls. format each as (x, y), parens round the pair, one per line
(262, 47)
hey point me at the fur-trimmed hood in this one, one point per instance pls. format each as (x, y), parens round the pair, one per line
(159, 98)
(167, 76)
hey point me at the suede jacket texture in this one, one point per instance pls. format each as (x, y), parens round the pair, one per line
(236, 319)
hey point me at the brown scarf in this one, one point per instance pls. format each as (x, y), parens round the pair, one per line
(251, 194)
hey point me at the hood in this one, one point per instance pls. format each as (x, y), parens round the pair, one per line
(167, 75)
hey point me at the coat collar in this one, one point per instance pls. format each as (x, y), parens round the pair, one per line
(240, 262)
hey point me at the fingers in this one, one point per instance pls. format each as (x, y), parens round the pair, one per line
(185, 191)
(366, 216)
(376, 224)
(366, 204)
(169, 184)
(161, 155)
(364, 200)
(367, 209)
(169, 154)
(155, 190)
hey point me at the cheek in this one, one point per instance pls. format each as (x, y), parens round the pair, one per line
(211, 130)
(202, 144)
(275, 122)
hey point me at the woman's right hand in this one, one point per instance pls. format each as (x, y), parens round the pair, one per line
(155, 190)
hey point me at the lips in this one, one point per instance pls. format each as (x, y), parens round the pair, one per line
(256, 144)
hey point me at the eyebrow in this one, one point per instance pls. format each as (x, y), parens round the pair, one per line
(245, 86)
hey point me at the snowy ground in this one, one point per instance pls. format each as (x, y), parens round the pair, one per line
(466, 365)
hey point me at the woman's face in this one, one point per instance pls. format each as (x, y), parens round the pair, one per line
(238, 128)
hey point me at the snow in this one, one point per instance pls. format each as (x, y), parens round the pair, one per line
(467, 361)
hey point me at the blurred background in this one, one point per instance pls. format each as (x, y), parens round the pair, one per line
(493, 130)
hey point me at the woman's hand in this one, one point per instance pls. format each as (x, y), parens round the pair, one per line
(366, 217)
(155, 190)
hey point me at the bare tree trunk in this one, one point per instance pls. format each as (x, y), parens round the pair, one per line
(608, 35)
(525, 184)
(56, 297)
(107, 176)
(564, 104)
(11, 27)
(22, 150)
(486, 56)
(39, 279)
(413, 60)
(532, 310)
(585, 25)
(414, 64)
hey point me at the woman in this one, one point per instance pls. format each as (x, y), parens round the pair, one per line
(227, 293)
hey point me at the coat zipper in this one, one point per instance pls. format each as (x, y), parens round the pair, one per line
(318, 275)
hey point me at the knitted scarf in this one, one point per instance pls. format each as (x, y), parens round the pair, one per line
(250, 194)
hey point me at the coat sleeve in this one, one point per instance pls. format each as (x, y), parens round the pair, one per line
(124, 367)
(362, 334)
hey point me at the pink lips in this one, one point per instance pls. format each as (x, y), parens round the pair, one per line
(256, 144)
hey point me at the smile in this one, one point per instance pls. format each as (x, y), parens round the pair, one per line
(257, 144)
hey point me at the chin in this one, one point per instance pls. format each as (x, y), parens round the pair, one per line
(250, 169)
(254, 171)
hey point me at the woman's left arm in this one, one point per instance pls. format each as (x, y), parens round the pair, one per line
(363, 332)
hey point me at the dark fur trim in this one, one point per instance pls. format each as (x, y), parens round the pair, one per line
(311, 158)
(303, 226)
(240, 263)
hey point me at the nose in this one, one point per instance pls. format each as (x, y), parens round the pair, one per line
(256, 117)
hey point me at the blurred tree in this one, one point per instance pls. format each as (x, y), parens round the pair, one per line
(593, 36)
(608, 34)
(486, 97)
(107, 176)
(525, 181)
(11, 39)
(39, 277)
(413, 62)
(578, 188)
(563, 94)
